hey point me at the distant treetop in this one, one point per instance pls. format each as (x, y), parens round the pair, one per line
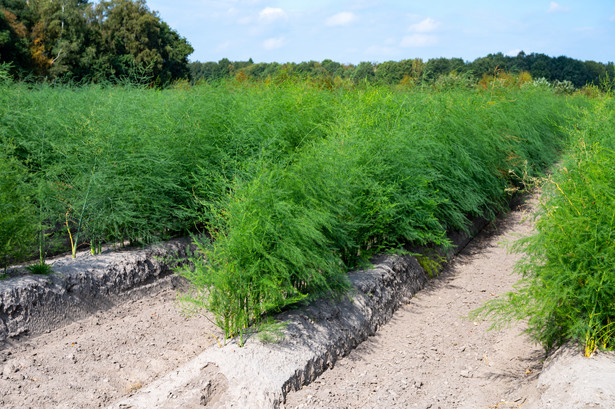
(76, 40)
(553, 69)
(123, 40)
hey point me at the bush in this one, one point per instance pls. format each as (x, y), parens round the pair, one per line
(540, 83)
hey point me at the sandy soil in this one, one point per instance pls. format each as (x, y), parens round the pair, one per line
(95, 361)
(429, 355)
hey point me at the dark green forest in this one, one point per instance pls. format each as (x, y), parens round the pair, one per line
(553, 69)
(80, 41)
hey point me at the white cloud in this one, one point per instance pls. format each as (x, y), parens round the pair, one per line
(419, 40)
(513, 53)
(425, 26)
(271, 14)
(556, 8)
(273, 43)
(341, 19)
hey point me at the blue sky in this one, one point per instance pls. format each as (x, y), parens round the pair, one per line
(351, 31)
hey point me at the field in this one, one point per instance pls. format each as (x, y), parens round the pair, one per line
(285, 187)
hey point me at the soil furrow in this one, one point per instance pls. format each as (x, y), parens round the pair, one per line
(429, 355)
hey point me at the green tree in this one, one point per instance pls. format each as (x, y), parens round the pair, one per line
(489, 64)
(594, 71)
(64, 38)
(333, 68)
(363, 72)
(262, 70)
(389, 72)
(132, 35)
(572, 70)
(174, 50)
(14, 35)
(518, 63)
(203, 70)
(538, 65)
(437, 67)
(225, 68)
(306, 68)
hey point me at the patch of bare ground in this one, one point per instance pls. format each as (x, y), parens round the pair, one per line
(429, 355)
(93, 362)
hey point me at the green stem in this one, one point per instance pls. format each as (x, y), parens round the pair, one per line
(85, 203)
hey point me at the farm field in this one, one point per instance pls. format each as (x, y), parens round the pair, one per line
(286, 187)
(296, 184)
(306, 204)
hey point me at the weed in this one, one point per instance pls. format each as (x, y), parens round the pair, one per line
(40, 268)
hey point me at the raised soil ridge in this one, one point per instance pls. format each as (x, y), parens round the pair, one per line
(77, 288)
(140, 352)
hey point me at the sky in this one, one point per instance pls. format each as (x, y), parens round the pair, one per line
(351, 31)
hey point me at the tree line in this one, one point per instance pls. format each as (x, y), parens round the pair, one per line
(81, 41)
(553, 69)
(108, 40)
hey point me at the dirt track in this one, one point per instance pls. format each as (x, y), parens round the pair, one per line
(429, 356)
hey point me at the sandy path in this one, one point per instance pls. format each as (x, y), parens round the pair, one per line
(429, 356)
(93, 362)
